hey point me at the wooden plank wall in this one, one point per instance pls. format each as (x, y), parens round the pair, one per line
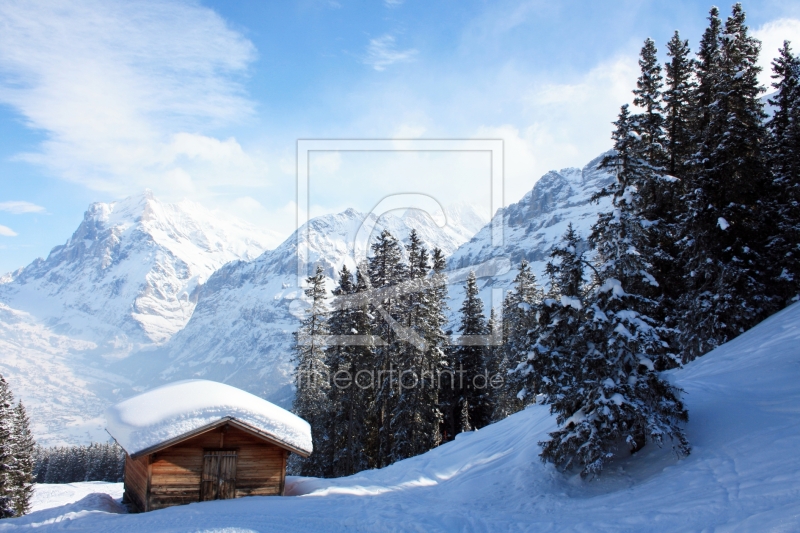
(176, 472)
(136, 481)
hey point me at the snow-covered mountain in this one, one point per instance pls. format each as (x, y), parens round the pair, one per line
(531, 228)
(126, 280)
(146, 293)
(93, 322)
(241, 330)
(129, 274)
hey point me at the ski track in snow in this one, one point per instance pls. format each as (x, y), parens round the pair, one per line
(742, 475)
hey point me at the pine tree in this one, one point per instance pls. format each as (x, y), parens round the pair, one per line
(650, 124)
(607, 390)
(669, 208)
(708, 70)
(415, 417)
(22, 474)
(312, 377)
(437, 342)
(470, 360)
(724, 230)
(613, 392)
(552, 363)
(784, 147)
(386, 272)
(678, 105)
(7, 459)
(519, 327)
(660, 192)
(346, 423)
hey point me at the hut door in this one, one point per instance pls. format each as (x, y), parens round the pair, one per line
(219, 475)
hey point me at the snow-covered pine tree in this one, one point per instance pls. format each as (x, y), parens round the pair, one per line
(470, 359)
(660, 206)
(436, 343)
(312, 377)
(616, 395)
(21, 475)
(647, 96)
(7, 459)
(415, 417)
(551, 365)
(347, 421)
(519, 327)
(678, 105)
(668, 208)
(503, 401)
(784, 158)
(725, 229)
(386, 273)
(365, 361)
(707, 69)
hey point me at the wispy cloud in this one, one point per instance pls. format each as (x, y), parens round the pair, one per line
(382, 52)
(5, 231)
(772, 34)
(20, 207)
(116, 86)
(393, 3)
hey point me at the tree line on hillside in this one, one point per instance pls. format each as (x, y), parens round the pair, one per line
(701, 243)
(71, 464)
(16, 455)
(376, 375)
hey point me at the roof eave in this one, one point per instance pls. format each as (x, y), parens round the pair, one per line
(214, 425)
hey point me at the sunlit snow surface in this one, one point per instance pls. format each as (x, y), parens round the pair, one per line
(177, 409)
(743, 473)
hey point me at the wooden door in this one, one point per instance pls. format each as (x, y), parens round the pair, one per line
(219, 475)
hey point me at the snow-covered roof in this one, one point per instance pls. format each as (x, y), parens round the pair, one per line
(182, 408)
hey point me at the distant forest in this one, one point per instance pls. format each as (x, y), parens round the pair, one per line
(70, 464)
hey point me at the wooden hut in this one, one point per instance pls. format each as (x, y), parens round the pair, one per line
(199, 440)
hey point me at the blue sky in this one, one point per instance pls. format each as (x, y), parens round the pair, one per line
(205, 100)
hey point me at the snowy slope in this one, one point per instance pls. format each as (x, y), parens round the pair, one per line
(128, 275)
(63, 403)
(743, 474)
(241, 331)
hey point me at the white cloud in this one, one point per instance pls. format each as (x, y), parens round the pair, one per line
(562, 124)
(772, 34)
(20, 207)
(382, 52)
(5, 231)
(115, 86)
(393, 3)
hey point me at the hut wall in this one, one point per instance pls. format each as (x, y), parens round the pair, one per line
(175, 472)
(136, 477)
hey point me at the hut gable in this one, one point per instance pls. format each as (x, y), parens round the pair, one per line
(199, 440)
